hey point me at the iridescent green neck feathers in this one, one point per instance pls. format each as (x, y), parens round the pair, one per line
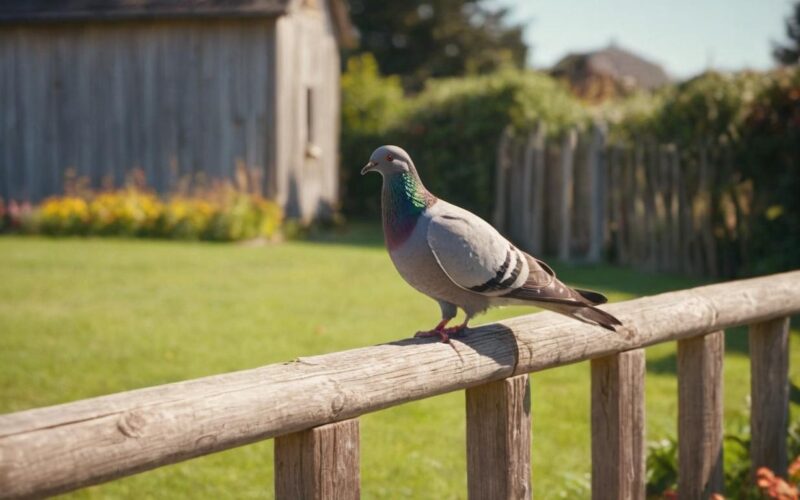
(404, 199)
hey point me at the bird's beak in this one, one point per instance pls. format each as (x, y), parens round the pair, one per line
(368, 167)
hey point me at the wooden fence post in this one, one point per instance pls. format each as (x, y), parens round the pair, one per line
(700, 416)
(319, 463)
(618, 454)
(567, 167)
(639, 228)
(706, 225)
(539, 191)
(673, 167)
(597, 194)
(499, 440)
(503, 164)
(769, 394)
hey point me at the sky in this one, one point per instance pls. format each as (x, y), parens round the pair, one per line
(685, 36)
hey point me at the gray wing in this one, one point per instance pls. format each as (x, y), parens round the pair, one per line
(474, 255)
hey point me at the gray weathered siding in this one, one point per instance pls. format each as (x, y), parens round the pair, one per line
(309, 59)
(173, 98)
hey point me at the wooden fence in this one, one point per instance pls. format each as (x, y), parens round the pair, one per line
(311, 405)
(648, 205)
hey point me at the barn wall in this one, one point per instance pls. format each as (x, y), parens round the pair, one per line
(173, 98)
(308, 58)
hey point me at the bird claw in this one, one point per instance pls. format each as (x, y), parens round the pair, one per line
(433, 333)
(442, 332)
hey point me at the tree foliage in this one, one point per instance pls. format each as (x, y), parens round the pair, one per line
(789, 54)
(437, 38)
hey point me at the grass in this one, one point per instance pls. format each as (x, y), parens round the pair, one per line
(86, 317)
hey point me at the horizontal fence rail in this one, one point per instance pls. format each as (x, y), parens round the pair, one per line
(69, 446)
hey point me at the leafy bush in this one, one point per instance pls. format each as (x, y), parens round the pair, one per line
(65, 215)
(768, 155)
(746, 126)
(127, 212)
(371, 104)
(662, 463)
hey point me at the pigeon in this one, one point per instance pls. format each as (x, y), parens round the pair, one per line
(460, 260)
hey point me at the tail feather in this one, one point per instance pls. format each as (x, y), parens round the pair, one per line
(593, 315)
(594, 297)
(544, 290)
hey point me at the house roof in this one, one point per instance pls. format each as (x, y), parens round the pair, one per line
(19, 11)
(617, 63)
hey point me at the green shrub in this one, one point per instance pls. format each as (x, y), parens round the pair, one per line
(371, 104)
(747, 125)
(769, 155)
(662, 462)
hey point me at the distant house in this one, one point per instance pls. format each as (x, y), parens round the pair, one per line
(609, 72)
(176, 88)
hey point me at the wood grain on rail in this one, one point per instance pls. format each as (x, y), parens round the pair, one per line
(65, 447)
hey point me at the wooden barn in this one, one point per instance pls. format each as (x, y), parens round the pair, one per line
(178, 89)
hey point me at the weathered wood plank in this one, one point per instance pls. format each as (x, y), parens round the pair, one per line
(700, 410)
(105, 98)
(538, 192)
(502, 166)
(618, 423)
(528, 159)
(597, 194)
(319, 464)
(499, 439)
(769, 394)
(134, 431)
(565, 213)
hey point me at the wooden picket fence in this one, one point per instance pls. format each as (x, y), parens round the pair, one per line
(310, 405)
(652, 206)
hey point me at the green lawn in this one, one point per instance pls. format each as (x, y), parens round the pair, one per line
(81, 318)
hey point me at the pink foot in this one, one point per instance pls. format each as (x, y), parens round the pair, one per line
(443, 332)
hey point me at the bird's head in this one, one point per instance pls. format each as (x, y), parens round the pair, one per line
(387, 160)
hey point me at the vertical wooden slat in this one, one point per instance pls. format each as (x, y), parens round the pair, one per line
(527, 191)
(499, 439)
(538, 206)
(500, 191)
(700, 415)
(769, 393)
(638, 206)
(597, 194)
(567, 167)
(618, 454)
(319, 463)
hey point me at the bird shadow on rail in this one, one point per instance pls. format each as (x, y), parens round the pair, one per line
(495, 346)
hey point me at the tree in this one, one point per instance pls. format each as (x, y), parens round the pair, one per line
(790, 54)
(437, 38)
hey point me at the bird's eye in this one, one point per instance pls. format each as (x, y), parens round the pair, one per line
(389, 158)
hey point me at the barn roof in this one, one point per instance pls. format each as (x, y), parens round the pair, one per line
(85, 10)
(617, 63)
